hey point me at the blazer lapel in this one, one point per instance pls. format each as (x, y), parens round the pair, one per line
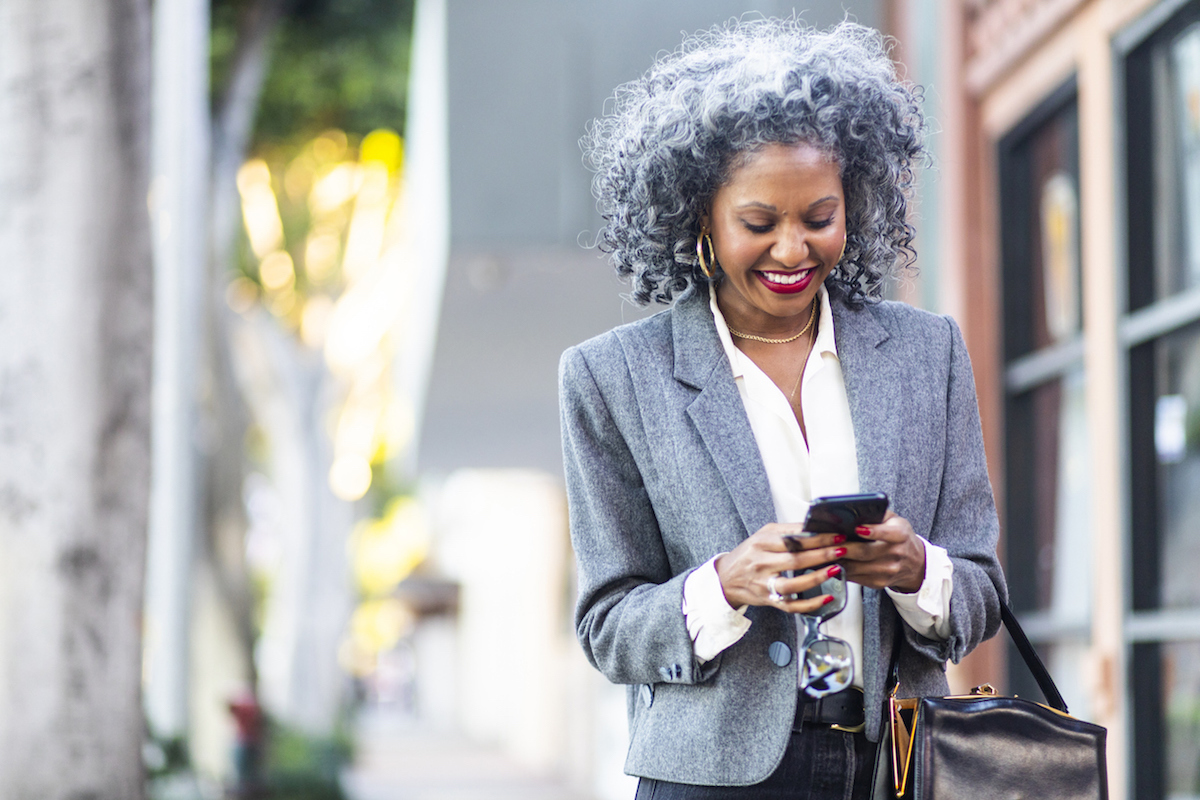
(871, 376)
(717, 411)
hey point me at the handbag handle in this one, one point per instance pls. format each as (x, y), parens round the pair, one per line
(1040, 674)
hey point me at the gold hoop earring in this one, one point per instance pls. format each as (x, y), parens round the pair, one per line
(709, 271)
(843, 253)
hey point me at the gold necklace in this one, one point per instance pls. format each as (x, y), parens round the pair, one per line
(812, 317)
(803, 366)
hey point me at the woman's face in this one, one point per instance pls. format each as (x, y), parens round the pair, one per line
(778, 227)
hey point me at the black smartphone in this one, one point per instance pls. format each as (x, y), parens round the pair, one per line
(841, 514)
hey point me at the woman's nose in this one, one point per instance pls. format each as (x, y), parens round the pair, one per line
(791, 249)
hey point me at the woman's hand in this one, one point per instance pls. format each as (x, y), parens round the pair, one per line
(893, 559)
(750, 571)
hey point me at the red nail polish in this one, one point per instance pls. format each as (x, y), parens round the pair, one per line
(834, 571)
(839, 539)
(828, 599)
(862, 530)
(841, 551)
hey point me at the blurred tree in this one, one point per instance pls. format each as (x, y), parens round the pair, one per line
(333, 64)
(75, 360)
(282, 72)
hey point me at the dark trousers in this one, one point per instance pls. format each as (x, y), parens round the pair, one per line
(819, 764)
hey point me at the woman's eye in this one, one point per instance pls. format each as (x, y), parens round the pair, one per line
(821, 223)
(757, 228)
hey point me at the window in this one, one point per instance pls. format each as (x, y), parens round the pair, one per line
(1161, 334)
(1047, 508)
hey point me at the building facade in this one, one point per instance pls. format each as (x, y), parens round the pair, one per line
(1066, 240)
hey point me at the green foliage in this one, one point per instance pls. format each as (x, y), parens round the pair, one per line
(165, 756)
(298, 766)
(338, 64)
(303, 767)
(222, 40)
(333, 64)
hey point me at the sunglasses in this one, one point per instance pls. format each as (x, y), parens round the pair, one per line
(828, 662)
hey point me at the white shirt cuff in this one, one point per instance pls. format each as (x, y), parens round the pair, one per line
(927, 611)
(712, 623)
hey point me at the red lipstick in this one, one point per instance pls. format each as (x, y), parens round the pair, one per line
(787, 288)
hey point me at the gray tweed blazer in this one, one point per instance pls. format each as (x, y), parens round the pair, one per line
(663, 473)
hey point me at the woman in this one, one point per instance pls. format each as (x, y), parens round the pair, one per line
(758, 179)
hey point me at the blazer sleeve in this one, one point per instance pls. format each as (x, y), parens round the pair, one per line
(965, 521)
(628, 615)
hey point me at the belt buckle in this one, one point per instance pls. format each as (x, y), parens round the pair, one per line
(860, 727)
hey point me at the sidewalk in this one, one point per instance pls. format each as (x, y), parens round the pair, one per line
(399, 760)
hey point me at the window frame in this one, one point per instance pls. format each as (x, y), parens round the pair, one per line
(1033, 367)
(1142, 321)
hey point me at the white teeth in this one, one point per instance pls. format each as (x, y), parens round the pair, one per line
(785, 279)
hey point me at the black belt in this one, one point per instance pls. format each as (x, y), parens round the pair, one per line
(843, 710)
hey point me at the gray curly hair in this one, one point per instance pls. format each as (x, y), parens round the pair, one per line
(675, 134)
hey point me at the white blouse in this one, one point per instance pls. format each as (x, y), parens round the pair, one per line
(797, 472)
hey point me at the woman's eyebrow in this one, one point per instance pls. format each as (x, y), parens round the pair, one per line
(756, 204)
(769, 207)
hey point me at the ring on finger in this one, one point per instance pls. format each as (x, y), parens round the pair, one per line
(772, 593)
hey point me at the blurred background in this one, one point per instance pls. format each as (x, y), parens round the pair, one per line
(285, 287)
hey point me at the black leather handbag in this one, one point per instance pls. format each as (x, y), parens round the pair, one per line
(984, 746)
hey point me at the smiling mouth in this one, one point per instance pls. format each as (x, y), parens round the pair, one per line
(786, 282)
(786, 278)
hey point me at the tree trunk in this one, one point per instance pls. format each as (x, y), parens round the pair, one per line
(233, 125)
(75, 363)
(290, 394)
(225, 408)
(179, 214)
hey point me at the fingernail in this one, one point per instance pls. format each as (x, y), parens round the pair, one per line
(862, 530)
(841, 551)
(828, 599)
(839, 539)
(834, 571)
